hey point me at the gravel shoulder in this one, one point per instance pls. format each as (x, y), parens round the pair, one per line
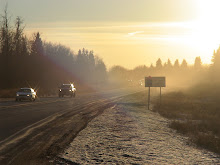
(128, 133)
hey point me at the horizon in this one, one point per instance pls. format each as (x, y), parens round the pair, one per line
(129, 39)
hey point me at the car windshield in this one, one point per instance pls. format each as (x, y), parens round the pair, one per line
(25, 90)
(66, 86)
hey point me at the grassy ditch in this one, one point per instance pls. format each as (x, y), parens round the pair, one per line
(194, 115)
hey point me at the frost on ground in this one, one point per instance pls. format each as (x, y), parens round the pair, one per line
(130, 134)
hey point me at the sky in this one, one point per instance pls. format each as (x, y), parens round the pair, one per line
(125, 32)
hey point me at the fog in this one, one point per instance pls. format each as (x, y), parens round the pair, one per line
(179, 75)
(44, 66)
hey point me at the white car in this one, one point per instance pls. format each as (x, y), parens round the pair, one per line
(26, 94)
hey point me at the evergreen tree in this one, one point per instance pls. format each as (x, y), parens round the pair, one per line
(216, 59)
(165, 65)
(198, 63)
(184, 64)
(151, 66)
(91, 66)
(176, 64)
(101, 71)
(37, 46)
(159, 64)
(168, 65)
(24, 46)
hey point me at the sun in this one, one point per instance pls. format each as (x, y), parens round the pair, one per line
(206, 27)
(204, 34)
(208, 10)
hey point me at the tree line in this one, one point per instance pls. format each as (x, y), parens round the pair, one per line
(178, 74)
(33, 62)
(45, 65)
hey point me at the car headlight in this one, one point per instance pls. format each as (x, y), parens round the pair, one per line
(17, 94)
(70, 90)
(28, 95)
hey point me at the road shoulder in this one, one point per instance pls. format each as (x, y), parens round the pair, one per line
(129, 134)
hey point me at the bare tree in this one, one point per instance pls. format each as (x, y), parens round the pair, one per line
(18, 36)
(5, 35)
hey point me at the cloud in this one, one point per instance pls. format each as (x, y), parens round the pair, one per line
(134, 33)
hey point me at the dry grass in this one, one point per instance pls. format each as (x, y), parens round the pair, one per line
(195, 115)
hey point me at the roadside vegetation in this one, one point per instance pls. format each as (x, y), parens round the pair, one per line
(195, 113)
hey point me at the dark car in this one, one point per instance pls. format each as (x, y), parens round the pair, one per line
(68, 90)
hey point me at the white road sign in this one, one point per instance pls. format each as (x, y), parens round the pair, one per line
(155, 81)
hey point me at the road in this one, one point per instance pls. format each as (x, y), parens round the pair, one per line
(31, 132)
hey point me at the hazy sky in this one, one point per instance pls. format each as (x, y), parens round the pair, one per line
(125, 32)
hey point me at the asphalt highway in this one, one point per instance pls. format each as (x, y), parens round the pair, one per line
(49, 119)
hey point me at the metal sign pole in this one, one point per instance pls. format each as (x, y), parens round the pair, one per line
(149, 98)
(160, 96)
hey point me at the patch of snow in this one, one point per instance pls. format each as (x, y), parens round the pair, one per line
(127, 134)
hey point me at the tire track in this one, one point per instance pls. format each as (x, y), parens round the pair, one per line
(51, 135)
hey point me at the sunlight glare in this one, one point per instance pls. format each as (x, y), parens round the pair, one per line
(203, 34)
(206, 30)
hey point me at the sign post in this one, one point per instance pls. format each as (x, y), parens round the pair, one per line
(149, 98)
(160, 95)
(148, 83)
(154, 82)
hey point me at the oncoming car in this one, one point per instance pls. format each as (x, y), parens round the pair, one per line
(68, 90)
(26, 94)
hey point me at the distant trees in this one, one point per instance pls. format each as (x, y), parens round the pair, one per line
(89, 67)
(100, 71)
(119, 74)
(12, 46)
(12, 39)
(5, 35)
(215, 66)
(176, 73)
(176, 64)
(159, 64)
(37, 46)
(35, 62)
(20, 44)
(216, 59)
(25, 62)
(198, 63)
(168, 65)
(184, 64)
